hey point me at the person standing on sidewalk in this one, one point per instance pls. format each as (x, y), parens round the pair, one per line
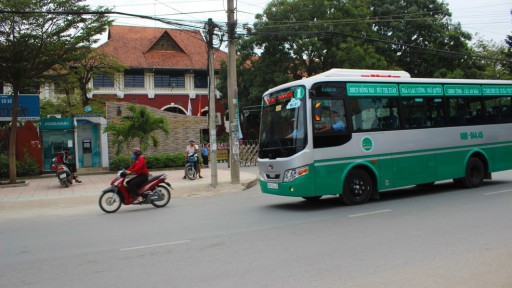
(141, 170)
(204, 154)
(192, 149)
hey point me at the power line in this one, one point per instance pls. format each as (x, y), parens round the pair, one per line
(370, 39)
(284, 24)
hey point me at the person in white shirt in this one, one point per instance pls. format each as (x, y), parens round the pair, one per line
(191, 149)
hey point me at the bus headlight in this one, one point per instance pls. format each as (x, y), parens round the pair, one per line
(292, 174)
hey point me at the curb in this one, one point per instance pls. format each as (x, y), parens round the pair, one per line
(251, 184)
(20, 183)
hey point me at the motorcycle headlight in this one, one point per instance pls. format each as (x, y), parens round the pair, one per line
(292, 174)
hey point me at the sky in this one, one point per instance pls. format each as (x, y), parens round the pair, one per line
(489, 19)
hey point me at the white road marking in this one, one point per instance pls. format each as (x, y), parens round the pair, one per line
(369, 213)
(498, 192)
(155, 245)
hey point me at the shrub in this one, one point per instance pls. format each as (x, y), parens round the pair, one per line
(27, 167)
(119, 163)
(156, 161)
(164, 161)
(4, 166)
(175, 160)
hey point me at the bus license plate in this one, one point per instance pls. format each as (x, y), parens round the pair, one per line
(272, 185)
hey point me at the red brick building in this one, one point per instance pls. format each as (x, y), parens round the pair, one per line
(166, 69)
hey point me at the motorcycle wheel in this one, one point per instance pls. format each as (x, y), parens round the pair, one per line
(110, 202)
(161, 190)
(191, 172)
(64, 183)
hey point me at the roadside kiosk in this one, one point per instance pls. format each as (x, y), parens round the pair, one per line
(56, 134)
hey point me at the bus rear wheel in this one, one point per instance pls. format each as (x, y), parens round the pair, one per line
(475, 174)
(358, 187)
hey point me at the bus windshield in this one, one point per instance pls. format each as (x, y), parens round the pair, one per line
(283, 123)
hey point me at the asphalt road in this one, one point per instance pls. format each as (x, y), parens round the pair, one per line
(442, 236)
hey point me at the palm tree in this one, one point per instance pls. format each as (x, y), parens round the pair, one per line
(141, 125)
(121, 135)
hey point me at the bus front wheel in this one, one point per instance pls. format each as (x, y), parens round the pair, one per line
(475, 174)
(358, 187)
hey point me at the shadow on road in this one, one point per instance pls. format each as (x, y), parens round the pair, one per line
(333, 202)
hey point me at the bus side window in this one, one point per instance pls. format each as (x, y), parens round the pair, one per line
(435, 112)
(415, 114)
(329, 116)
(372, 114)
(388, 118)
(478, 114)
(458, 111)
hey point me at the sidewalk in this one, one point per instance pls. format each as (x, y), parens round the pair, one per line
(45, 191)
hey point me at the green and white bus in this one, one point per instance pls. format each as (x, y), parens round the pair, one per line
(354, 133)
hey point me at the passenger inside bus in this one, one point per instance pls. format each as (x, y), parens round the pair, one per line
(337, 123)
(329, 116)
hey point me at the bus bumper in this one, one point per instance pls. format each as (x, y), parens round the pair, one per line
(300, 187)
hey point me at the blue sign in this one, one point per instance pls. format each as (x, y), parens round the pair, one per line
(28, 107)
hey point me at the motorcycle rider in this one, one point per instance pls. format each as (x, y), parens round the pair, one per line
(141, 170)
(63, 159)
(191, 149)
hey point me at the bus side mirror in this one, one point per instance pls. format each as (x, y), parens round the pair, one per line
(317, 111)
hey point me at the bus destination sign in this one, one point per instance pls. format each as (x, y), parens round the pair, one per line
(370, 89)
(421, 90)
(497, 90)
(462, 90)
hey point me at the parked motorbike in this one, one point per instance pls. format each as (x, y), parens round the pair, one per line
(191, 166)
(63, 174)
(156, 191)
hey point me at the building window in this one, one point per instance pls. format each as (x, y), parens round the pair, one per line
(31, 89)
(102, 81)
(201, 81)
(1, 88)
(134, 78)
(169, 80)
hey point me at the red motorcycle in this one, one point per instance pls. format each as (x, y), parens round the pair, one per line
(62, 172)
(156, 191)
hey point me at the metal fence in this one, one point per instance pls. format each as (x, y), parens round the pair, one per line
(248, 153)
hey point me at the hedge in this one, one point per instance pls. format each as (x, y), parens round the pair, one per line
(156, 161)
(26, 167)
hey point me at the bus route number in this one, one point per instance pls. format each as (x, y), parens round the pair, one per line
(472, 135)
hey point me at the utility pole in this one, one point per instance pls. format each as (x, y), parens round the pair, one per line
(234, 149)
(212, 123)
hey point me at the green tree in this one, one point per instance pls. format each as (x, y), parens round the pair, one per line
(72, 81)
(492, 60)
(90, 63)
(293, 39)
(508, 54)
(69, 105)
(419, 37)
(36, 36)
(141, 125)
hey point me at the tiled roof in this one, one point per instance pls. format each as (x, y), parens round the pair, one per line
(135, 46)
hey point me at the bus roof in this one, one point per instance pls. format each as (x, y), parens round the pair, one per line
(337, 72)
(361, 75)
